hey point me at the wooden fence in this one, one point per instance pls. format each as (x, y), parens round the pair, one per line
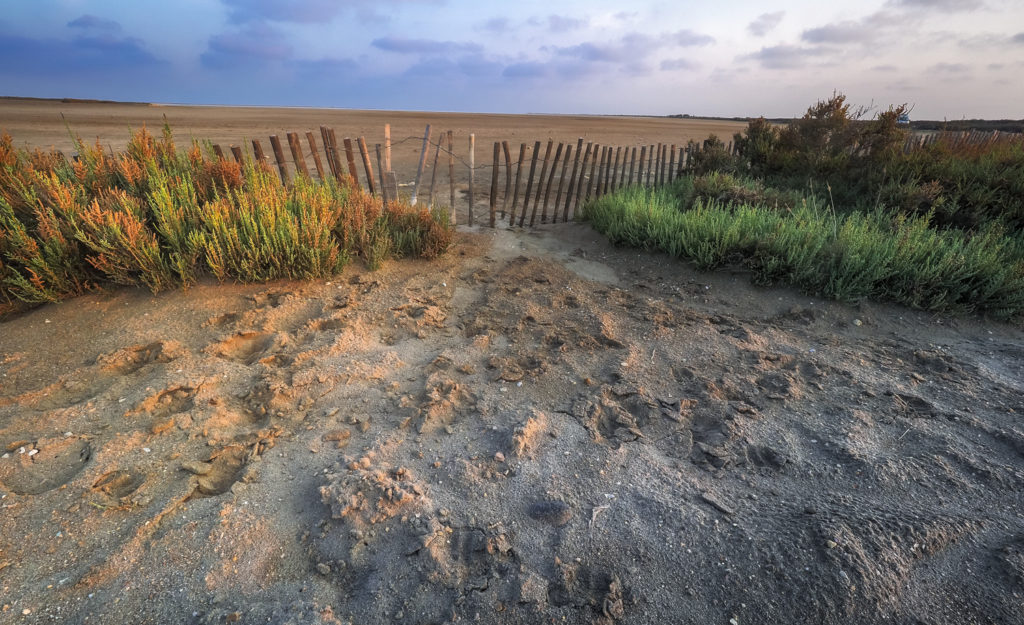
(959, 139)
(543, 184)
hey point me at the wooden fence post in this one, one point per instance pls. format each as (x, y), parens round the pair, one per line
(472, 173)
(579, 183)
(316, 156)
(529, 183)
(632, 165)
(664, 164)
(515, 191)
(640, 169)
(672, 164)
(257, 151)
(451, 175)
(649, 176)
(551, 179)
(494, 183)
(237, 153)
(387, 150)
(296, 147)
(540, 182)
(350, 158)
(572, 180)
(616, 169)
(275, 144)
(419, 168)
(508, 177)
(433, 175)
(366, 165)
(591, 182)
(561, 183)
(218, 151)
(332, 161)
(383, 178)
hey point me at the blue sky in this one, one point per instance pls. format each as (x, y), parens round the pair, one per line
(948, 58)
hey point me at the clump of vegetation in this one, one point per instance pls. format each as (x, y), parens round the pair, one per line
(833, 204)
(160, 217)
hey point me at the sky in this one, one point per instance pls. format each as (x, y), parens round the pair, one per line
(947, 59)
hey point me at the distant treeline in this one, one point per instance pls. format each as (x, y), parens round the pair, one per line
(1003, 125)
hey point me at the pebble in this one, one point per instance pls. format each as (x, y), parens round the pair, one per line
(556, 513)
(810, 510)
(858, 322)
(831, 544)
(500, 457)
(323, 569)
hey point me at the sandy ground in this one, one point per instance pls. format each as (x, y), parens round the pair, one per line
(40, 123)
(536, 427)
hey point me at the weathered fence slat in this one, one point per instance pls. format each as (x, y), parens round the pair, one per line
(316, 156)
(551, 179)
(218, 151)
(387, 150)
(383, 178)
(632, 164)
(640, 171)
(451, 175)
(365, 153)
(561, 183)
(237, 153)
(419, 168)
(529, 182)
(257, 150)
(332, 161)
(672, 164)
(572, 181)
(433, 175)
(579, 183)
(275, 144)
(349, 157)
(508, 178)
(297, 158)
(540, 182)
(515, 190)
(472, 173)
(494, 183)
(594, 170)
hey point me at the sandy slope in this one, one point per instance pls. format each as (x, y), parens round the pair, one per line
(535, 428)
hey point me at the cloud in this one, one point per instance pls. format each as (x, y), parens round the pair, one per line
(91, 22)
(839, 33)
(765, 23)
(688, 38)
(785, 56)
(563, 24)
(627, 49)
(669, 65)
(304, 11)
(256, 44)
(93, 55)
(1018, 39)
(949, 68)
(529, 69)
(497, 25)
(401, 45)
(885, 68)
(944, 6)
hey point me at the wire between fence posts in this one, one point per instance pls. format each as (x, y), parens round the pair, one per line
(572, 180)
(275, 145)
(472, 173)
(515, 190)
(365, 153)
(579, 183)
(529, 183)
(419, 168)
(320, 173)
(551, 179)
(494, 183)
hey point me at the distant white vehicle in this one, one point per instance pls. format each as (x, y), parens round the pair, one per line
(903, 120)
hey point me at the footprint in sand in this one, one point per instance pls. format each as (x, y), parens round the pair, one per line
(244, 347)
(44, 465)
(115, 486)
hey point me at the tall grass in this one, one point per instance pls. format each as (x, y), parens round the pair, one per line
(160, 217)
(879, 254)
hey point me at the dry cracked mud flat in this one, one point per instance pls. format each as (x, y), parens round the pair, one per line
(535, 428)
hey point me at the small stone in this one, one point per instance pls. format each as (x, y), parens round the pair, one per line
(27, 611)
(858, 322)
(810, 510)
(500, 457)
(323, 569)
(449, 429)
(831, 544)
